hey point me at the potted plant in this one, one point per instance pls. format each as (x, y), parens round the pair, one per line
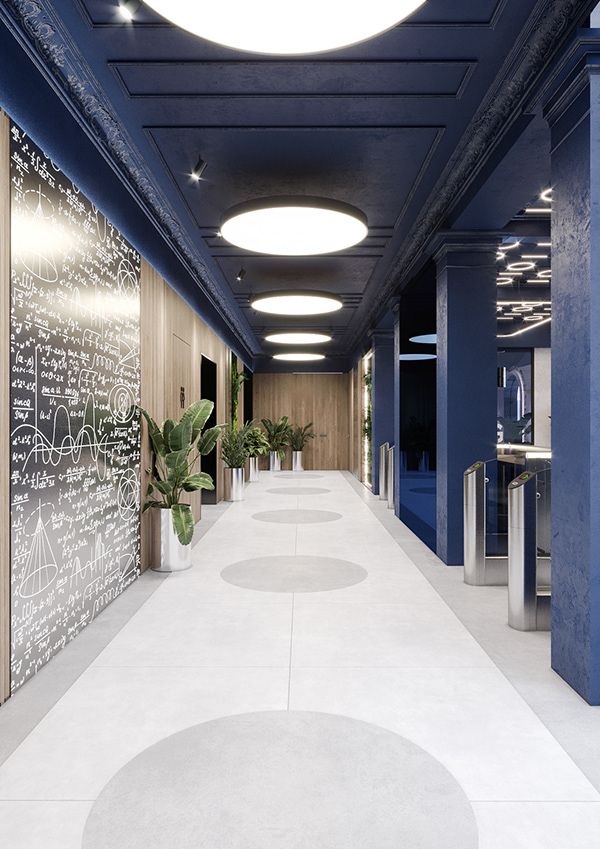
(278, 436)
(299, 436)
(257, 445)
(234, 453)
(177, 447)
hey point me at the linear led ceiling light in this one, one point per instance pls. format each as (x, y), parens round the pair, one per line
(298, 338)
(198, 170)
(294, 226)
(271, 26)
(299, 357)
(296, 303)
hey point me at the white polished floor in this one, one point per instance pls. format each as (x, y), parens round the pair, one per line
(388, 651)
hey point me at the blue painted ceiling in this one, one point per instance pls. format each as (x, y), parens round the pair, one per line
(374, 125)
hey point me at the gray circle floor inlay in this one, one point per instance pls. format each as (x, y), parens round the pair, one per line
(282, 780)
(300, 574)
(297, 476)
(297, 517)
(298, 490)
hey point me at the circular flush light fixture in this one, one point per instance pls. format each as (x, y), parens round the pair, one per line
(271, 26)
(296, 303)
(294, 226)
(427, 339)
(299, 357)
(298, 338)
(413, 358)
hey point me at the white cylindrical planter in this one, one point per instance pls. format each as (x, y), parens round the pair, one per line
(174, 557)
(237, 485)
(297, 461)
(274, 461)
(253, 470)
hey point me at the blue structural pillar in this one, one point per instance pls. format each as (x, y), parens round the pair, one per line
(466, 374)
(382, 396)
(396, 396)
(573, 112)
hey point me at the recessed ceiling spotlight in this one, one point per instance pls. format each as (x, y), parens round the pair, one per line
(286, 28)
(128, 8)
(413, 358)
(198, 170)
(294, 226)
(240, 275)
(298, 338)
(546, 196)
(299, 357)
(425, 339)
(296, 303)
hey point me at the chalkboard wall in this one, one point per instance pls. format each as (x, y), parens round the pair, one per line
(75, 435)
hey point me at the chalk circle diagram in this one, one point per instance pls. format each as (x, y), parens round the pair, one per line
(38, 259)
(100, 223)
(121, 402)
(127, 279)
(128, 494)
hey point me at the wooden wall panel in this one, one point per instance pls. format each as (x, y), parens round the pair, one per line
(174, 338)
(4, 407)
(320, 398)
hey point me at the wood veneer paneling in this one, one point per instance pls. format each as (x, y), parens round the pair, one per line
(4, 407)
(322, 399)
(174, 338)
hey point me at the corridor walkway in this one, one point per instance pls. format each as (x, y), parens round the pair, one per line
(330, 698)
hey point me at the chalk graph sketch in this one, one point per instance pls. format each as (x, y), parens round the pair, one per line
(75, 431)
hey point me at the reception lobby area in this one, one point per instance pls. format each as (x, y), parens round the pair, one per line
(299, 535)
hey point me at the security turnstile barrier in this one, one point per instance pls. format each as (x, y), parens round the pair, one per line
(390, 478)
(383, 466)
(480, 569)
(529, 599)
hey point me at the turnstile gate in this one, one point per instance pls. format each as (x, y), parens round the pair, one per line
(390, 478)
(383, 467)
(480, 570)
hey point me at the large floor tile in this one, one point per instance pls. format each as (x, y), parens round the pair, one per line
(538, 826)
(472, 720)
(42, 825)
(111, 715)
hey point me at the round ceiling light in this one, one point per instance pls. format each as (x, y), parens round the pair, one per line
(271, 26)
(294, 226)
(297, 338)
(296, 303)
(299, 357)
(426, 339)
(413, 358)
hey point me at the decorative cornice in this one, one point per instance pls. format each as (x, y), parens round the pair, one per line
(42, 34)
(547, 27)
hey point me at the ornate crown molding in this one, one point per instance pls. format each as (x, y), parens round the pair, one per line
(547, 27)
(40, 31)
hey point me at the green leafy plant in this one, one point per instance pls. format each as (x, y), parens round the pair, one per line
(256, 441)
(177, 447)
(237, 378)
(234, 448)
(300, 436)
(278, 434)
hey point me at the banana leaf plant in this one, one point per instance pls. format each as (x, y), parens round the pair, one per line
(177, 447)
(278, 434)
(300, 436)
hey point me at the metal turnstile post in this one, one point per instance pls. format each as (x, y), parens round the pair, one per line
(390, 478)
(383, 450)
(528, 604)
(480, 570)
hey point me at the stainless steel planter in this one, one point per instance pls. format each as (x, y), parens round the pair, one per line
(174, 557)
(297, 461)
(274, 461)
(237, 485)
(254, 476)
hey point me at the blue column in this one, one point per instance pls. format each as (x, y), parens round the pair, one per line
(466, 374)
(573, 112)
(383, 396)
(397, 442)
